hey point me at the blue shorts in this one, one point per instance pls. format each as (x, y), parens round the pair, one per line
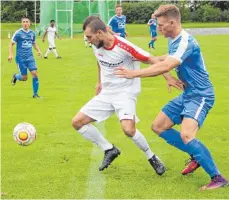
(153, 33)
(196, 108)
(22, 66)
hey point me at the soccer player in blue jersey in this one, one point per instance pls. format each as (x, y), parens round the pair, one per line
(118, 23)
(25, 40)
(191, 107)
(152, 23)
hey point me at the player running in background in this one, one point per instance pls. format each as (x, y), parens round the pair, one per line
(118, 23)
(25, 39)
(86, 43)
(52, 33)
(114, 95)
(191, 107)
(152, 23)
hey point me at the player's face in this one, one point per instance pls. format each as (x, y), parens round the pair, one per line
(25, 23)
(118, 11)
(52, 24)
(94, 38)
(165, 26)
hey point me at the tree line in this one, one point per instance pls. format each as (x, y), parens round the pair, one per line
(136, 11)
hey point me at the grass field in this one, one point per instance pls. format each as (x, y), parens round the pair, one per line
(62, 165)
(135, 30)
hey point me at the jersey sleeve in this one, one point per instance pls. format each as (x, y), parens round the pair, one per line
(183, 50)
(134, 51)
(34, 38)
(111, 22)
(16, 37)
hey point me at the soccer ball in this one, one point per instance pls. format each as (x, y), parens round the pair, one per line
(24, 133)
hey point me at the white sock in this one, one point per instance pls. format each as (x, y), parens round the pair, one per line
(91, 133)
(55, 52)
(47, 52)
(141, 142)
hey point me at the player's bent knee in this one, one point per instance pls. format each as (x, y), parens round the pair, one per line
(129, 131)
(156, 128)
(186, 138)
(77, 123)
(24, 78)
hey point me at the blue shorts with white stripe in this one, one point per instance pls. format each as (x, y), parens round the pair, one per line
(23, 65)
(193, 107)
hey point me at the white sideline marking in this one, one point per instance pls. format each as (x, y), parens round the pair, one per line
(96, 181)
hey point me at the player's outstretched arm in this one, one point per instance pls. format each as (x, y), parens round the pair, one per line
(58, 35)
(10, 57)
(37, 49)
(43, 39)
(98, 86)
(153, 70)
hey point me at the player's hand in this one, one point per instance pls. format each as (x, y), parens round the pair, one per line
(60, 38)
(176, 83)
(98, 88)
(39, 54)
(10, 58)
(122, 72)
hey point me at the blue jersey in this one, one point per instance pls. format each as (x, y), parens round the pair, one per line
(153, 24)
(192, 70)
(25, 41)
(118, 25)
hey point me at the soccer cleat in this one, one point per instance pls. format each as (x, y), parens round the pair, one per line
(36, 96)
(109, 156)
(192, 165)
(58, 57)
(13, 80)
(158, 166)
(45, 57)
(216, 182)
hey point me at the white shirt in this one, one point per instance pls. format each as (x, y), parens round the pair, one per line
(122, 54)
(51, 33)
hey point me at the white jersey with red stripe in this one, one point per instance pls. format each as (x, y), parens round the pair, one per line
(125, 54)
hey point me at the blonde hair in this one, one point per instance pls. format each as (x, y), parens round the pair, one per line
(170, 11)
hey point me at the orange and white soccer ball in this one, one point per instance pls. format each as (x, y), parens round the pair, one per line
(24, 133)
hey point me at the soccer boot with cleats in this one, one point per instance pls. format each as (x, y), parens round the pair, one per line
(191, 166)
(157, 165)
(109, 156)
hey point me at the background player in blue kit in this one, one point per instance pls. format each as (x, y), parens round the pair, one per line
(191, 107)
(152, 23)
(25, 39)
(118, 23)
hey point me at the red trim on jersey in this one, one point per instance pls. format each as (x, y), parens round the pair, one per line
(115, 43)
(131, 50)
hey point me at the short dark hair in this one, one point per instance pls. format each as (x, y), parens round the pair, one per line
(169, 10)
(25, 17)
(118, 6)
(52, 21)
(95, 23)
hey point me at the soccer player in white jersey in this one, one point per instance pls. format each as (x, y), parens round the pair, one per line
(191, 107)
(114, 95)
(25, 39)
(52, 33)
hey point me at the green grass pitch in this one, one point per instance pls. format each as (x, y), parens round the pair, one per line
(61, 164)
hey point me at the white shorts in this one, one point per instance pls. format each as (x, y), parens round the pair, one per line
(103, 106)
(51, 43)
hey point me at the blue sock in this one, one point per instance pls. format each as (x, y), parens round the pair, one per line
(173, 138)
(18, 77)
(152, 43)
(202, 156)
(35, 85)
